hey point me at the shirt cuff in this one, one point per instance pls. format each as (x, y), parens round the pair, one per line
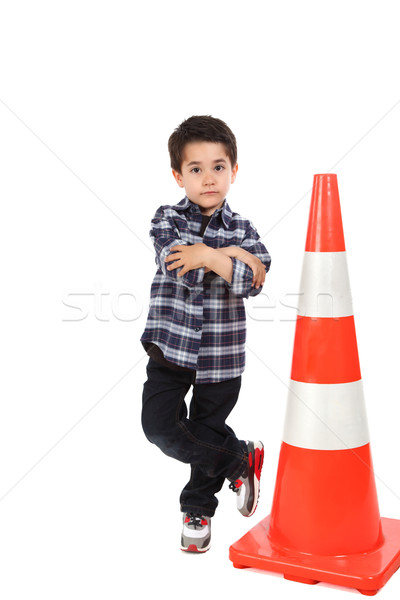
(242, 277)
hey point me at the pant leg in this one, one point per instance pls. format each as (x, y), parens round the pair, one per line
(210, 406)
(165, 423)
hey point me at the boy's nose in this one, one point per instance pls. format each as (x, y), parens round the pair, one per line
(208, 178)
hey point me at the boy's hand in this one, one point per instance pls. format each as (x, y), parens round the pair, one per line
(255, 264)
(188, 257)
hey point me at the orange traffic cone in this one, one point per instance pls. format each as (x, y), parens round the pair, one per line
(325, 523)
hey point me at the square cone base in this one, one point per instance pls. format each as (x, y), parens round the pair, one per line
(367, 572)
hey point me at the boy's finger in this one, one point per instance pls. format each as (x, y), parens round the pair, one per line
(175, 265)
(173, 256)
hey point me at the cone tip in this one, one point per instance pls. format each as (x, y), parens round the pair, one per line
(325, 175)
(325, 229)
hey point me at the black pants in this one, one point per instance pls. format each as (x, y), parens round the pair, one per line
(203, 440)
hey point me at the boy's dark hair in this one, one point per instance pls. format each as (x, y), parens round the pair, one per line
(200, 129)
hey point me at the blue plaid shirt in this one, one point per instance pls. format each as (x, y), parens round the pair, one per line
(199, 320)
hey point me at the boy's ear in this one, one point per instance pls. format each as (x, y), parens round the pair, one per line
(234, 172)
(178, 178)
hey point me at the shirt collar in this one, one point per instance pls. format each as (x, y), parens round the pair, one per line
(187, 205)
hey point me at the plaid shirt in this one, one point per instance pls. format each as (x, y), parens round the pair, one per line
(198, 320)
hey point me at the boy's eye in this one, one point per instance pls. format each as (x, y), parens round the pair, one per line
(195, 170)
(219, 168)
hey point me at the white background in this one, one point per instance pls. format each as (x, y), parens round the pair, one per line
(89, 94)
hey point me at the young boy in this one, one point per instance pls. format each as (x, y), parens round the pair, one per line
(209, 258)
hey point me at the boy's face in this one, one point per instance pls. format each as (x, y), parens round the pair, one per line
(206, 174)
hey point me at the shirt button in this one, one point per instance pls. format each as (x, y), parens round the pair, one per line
(197, 328)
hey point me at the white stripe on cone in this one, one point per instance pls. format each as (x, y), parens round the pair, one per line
(326, 416)
(325, 286)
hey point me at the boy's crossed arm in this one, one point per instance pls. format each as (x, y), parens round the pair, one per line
(255, 264)
(216, 260)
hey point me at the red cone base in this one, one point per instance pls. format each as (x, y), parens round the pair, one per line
(366, 572)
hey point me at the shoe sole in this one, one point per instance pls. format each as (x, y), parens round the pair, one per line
(255, 471)
(194, 549)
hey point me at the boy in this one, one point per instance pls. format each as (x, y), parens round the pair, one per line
(208, 260)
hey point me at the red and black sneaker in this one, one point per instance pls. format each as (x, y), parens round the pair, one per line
(196, 533)
(247, 486)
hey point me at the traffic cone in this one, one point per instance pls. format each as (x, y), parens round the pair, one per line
(325, 523)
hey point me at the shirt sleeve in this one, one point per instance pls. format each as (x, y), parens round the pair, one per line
(165, 234)
(242, 275)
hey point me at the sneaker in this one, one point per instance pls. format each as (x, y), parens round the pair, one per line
(196, 533)
(247, 486)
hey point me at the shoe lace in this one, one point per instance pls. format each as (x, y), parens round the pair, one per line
(194, 519)
(235, 485)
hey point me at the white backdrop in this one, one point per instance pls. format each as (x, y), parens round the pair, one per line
(89, 93)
